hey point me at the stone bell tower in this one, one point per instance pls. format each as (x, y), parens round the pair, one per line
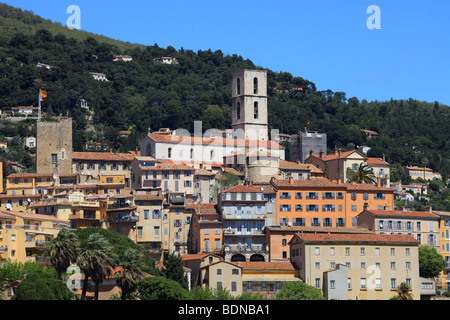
(249, 105)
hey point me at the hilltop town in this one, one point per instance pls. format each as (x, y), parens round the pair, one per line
(240, 216)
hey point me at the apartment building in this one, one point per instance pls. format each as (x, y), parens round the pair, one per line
(322, 202)
(112, 184)
(357, 266)
(244, 217)
(90, 165)
(148, 173)
(278, 237)
(422, 226)
(149, 227)
(342, 164)
(222, 274)
(266, 278)
(24, 236)
(122, 215)
(88, 210)
(422, 172)
(444, 230)
(195, 262)
(206, 229)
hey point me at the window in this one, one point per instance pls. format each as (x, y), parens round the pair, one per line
(219, 284)
(407, 251)
(378, 284)
(393, 284)
(238, 110)
(408, 265)
(298, 195)
(219, 272)
(392, 265)
(255, 110)
(317, 250)
(139, 232)
(255, 85)
(347, 251)
(146, 214)
(317, 282)
(54, 158)
(354, 208)
(298, 207)
(363, 265)
(233, 286)
(363, 283)
(332, 284)
(392, 251)
(377, 251)
(363, 251)
(332, 250)
(238, 86)
(235, 271)
(285, 195)
(169, 153)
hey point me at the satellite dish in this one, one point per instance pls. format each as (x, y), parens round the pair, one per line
(128, 201)
(29, 200)
(8, 206)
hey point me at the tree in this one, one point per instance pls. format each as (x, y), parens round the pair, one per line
(403, 292)
(132, 266)
(173, 269)
(431, 262)
(41, 286)
(299, 290)
(363, 175)
(63, 251)
(96, 261)
(161, 288)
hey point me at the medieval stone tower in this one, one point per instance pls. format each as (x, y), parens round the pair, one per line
(249, 105)
(54, 146)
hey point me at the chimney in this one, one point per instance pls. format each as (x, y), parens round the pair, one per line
(311, 152)
(291, 180)
(384, 157)
(340, 150)
(338, 181)
(378, 182)
(335, 150)
(386, 208)
(321, 154)
(428, 209)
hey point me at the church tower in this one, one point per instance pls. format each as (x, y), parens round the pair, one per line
(249, 105)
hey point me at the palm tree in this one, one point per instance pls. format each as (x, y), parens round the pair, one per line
(96, 262)
(63, 251)
(403, 291)
(363, 175)
(132, 270)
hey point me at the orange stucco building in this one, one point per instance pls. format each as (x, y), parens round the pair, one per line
(322, 202)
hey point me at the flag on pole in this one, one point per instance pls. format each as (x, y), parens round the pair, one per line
(42, 95)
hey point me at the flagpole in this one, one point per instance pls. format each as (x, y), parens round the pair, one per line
(39, 111)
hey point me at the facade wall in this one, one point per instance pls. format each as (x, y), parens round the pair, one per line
(374, 275)
(54, 146)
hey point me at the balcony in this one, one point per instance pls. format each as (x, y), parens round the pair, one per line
(242, 248)
(3, 249)
(124, 218)
(37, 244)
(118, 206)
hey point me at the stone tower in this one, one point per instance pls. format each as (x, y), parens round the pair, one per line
(54, 146)
(249, 105)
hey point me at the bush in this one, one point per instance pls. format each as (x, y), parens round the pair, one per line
(161, 288)
(446, 294)
(40, 286)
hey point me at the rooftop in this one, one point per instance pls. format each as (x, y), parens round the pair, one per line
(357, 238)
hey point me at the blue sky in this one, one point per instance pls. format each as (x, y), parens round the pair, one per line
(324, 41)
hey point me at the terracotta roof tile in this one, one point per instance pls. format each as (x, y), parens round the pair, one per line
(358, 238)
(241, 188)
(264, 265)
(423, 214)
(215, 141)
(103, 156)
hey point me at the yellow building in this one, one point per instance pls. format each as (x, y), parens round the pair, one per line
(357, 266)
(150, 224)
(24, 236)
(444, 230)
(88, 211)
(111, 184)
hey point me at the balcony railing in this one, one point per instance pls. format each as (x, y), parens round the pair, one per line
(238, 248)
(124, 219)
(118, 205)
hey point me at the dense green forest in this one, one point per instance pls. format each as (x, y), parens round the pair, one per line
(142, 95)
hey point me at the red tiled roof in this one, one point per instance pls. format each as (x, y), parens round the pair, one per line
(241, 188)
(206, 208)
(143, 197)
(196, 256)
(32, 216)
(264, 265)
(358, 238)
(291, 165)
(103, 156)
(215, 141)
(418, 168)
(29, 175)
(423, 214)
(376, 161)
(344, 154)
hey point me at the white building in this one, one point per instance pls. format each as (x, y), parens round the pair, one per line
(99, 76)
